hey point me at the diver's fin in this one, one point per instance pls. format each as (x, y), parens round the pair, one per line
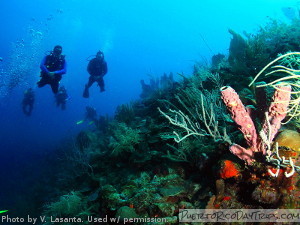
(3, 211)
(91, 122)
(79, 122)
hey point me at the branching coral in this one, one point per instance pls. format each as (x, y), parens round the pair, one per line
(68, 205)
(202, 121)
(125, 113)
(124, 140)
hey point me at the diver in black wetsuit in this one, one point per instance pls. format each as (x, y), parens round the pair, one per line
(97, 68)
(90, 113)
(61, 97)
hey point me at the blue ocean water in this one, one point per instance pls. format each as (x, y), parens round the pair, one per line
(140, 40)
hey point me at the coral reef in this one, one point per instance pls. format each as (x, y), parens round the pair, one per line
(181, 147)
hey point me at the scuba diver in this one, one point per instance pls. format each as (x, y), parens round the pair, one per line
(90, 115)
(53, 66)
(97, 68)
(28, 101)
(61, 97)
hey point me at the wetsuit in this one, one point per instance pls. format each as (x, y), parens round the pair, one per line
(52, 63)
(97, 68)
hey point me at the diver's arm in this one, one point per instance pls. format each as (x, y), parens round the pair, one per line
(63, 70)
(43, 66)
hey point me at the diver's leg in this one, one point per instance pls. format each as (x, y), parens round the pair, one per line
(26, 110)
(86, 93)
(90, 82)
(54, 86)
(30, 108)
(101, 84)
(42, 82)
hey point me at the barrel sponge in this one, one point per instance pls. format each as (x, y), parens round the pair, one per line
(289, 139)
